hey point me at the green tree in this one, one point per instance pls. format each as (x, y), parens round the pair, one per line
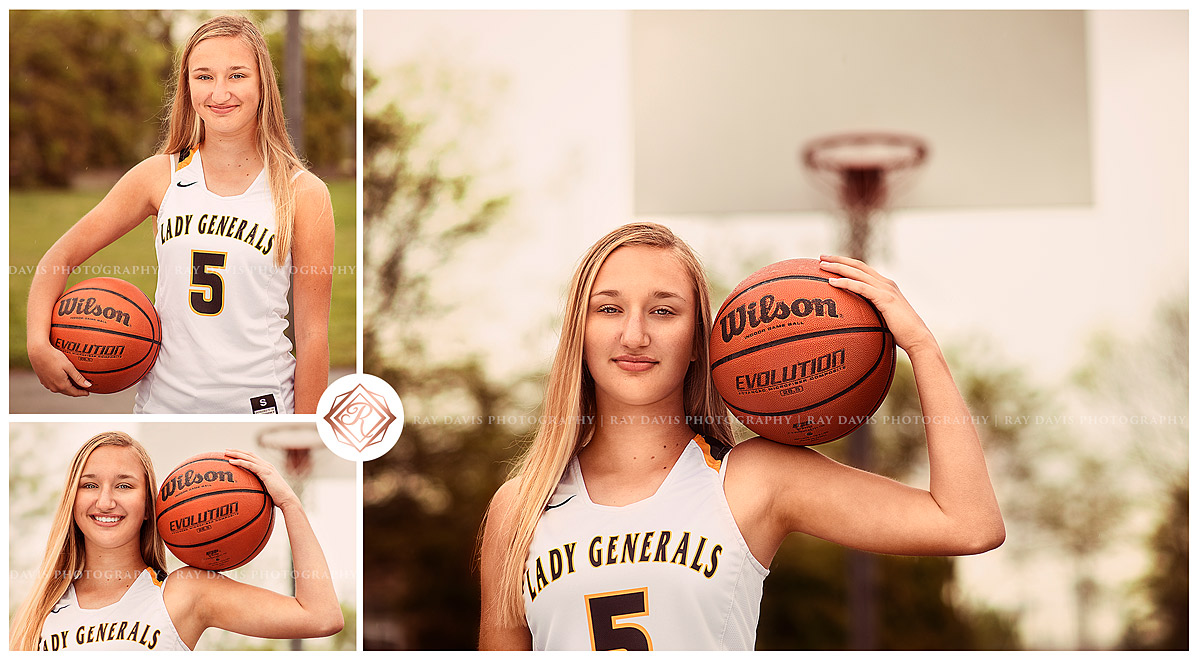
(424, 500)
(85, 89)
(330, 104)
(88, 90)
(1165, 625)
(1147, 379)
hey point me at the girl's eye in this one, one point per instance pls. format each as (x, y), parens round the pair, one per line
(88, 485)
(124, 485)
(607, 309)
(663, 311)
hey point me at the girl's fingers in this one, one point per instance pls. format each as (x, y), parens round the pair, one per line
(850, 271)
(849, 262)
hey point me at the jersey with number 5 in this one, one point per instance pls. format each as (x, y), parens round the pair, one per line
(670, 572)
(222, 301)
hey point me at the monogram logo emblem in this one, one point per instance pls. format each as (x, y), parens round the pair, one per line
(362, 417)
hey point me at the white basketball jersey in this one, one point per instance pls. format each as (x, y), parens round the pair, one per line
(137, 622)
(222, 301)
(671, 572)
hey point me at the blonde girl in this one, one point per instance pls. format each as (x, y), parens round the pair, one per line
(633, 522)
(103, 585)
(238, 222)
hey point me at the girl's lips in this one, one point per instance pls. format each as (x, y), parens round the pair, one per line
(635, 363)
(222, 109)
(107, 521)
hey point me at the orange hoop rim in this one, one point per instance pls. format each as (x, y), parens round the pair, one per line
(880, 151)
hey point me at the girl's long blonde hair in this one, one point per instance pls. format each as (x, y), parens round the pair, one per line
(185, 130)
(65, 547)
(570, 399)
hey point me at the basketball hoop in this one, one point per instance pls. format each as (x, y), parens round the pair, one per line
(863, 170)
(297, 443)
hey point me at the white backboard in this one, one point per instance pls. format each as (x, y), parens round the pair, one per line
(724, 100)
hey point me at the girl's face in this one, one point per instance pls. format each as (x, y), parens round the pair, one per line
(110, 498)
(225, 85)
(640, 327)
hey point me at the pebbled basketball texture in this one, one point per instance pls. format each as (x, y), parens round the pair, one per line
(212, 514)
(797, 360)
(109, 331)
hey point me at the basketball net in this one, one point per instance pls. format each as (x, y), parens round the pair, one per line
(298, 462)
(296, 443)
(863, 171)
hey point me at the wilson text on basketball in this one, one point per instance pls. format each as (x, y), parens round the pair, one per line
(89, 307)
(191, 478)
(767, 309)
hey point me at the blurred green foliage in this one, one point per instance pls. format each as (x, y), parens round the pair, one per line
(424, 500)
(1148, 377)
(85, 88)
(1165, 626)
(88, 90)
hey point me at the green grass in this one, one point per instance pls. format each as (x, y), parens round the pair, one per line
(37, 218)
(343, 313)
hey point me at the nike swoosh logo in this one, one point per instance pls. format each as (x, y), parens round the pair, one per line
(555, 506)
(185, 185)
(59, 609)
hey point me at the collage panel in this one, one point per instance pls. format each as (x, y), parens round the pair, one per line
(154, 535)
(240, 296)
(896, 237)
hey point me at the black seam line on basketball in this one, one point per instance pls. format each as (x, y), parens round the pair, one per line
(107, 332)
(222, 459)
(122, 296)
(784, 340)
(813, 278)
(219, 459)
(167, 510)
(261, 544)
(115, 371)
(891, 375)
(221, 538)
(199, 459)
(853, 385)
(266, 499)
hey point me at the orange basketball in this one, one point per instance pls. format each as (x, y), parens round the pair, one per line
(212, 514)
(109, 330)
(797, 360)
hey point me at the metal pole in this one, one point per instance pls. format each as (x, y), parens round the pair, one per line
(293, 78)
(862, 566)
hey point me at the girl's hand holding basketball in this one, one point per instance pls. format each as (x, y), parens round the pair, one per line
(853, 275)
(277, 487)
(55, 371)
